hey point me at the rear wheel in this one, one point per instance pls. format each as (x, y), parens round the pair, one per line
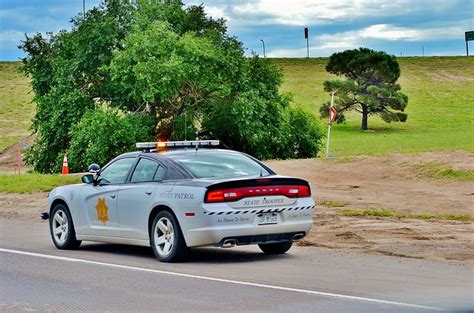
(166, 238)
(62, 228)
(275, 248)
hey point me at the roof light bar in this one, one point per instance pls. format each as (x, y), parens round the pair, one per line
(176, 144)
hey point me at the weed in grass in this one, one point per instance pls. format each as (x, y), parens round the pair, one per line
(439, 170)
(389, 213)
(332, 204)
(29, 183)
(367, 212)
(344, 159)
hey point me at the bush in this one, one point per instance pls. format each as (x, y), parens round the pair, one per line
(304, 135)
(104, 133)
(266, 130)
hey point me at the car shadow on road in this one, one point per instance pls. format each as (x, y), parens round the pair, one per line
(204, 255)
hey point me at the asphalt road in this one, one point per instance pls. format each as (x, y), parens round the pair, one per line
(103, 277)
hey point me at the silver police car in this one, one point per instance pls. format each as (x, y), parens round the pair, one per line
(176, 195)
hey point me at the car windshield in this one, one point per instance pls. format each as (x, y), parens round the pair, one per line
(215, 164)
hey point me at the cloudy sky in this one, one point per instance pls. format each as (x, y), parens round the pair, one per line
(396, 26)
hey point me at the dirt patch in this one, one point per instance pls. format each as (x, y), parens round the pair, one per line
(392, 183)
(422, 239)
(9, 156)
(26, 207)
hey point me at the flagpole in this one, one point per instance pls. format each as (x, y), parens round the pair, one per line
(329, 126)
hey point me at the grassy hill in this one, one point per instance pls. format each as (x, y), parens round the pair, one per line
(16, 109)
(440, 109)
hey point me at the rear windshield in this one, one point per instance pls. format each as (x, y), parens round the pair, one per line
(214, 164)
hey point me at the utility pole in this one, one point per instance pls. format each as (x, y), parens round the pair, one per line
(306, 36)
(263, 43)
(423, 50)
(84, 7)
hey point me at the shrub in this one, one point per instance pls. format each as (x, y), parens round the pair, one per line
(104, 133)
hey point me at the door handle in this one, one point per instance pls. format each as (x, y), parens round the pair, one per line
(148, 193)
(112, 196)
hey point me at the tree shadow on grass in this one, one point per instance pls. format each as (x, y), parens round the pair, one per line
(389, 129)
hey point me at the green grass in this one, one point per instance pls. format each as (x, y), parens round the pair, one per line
(394, 214)
(440, 108)
(28, 183)
(16, 109)
(440, 171)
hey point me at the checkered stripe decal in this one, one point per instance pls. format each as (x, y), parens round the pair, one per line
(236, 212)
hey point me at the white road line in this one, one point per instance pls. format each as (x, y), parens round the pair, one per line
(222, 280)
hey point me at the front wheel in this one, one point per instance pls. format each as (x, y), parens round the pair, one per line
(62, 228)
(166, 238)
(275, 248)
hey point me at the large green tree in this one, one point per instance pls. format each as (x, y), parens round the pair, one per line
(171, 65)
(370, 87)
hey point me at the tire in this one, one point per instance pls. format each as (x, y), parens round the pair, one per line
(275, 248)
(166, 238)
(62, 229)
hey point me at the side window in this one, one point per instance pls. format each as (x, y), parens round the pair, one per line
(116, 172)
(160, 173)
(147, 170)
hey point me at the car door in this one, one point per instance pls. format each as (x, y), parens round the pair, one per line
(101, 200)
(136, 198)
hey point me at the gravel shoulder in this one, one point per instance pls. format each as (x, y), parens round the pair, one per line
(394, 183)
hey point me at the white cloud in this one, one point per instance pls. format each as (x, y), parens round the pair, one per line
(216, 12)
(9, 37)
(297, 12)
(326, 44)
(315, 12)
(390, 33)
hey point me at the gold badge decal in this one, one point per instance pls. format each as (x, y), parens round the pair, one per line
(102, 208)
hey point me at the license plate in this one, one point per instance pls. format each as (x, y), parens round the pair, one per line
(267, 218)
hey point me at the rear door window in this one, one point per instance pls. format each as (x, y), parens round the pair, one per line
(147, 170)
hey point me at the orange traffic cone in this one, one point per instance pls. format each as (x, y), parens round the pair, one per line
(65, 170)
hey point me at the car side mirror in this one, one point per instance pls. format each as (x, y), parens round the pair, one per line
(93, 168)
(88, 179)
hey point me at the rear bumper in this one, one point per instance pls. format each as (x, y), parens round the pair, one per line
(242, 226)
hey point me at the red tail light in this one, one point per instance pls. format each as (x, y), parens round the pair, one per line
(304, 191)
(235, 194)
(215, 196)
